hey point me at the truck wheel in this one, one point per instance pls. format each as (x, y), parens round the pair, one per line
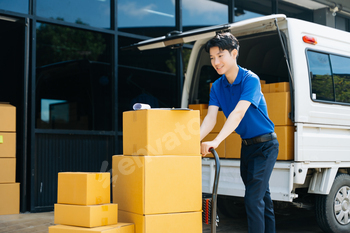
(333, 210)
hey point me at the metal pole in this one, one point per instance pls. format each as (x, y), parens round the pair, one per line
(179, 62)
(231, 11)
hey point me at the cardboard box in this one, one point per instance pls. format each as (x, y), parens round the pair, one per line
(220, 149)
(220, 120)
(285, 137)
(7, 118)
(233, 146)
(190, 222)
(279, 107)
(279, 87)
(7, 170)
(161, 132)
(9, 198)
(157, 184)
(118, 228)
(262, 82)
(7, 145)
(199, 107)
(265, 88)
(86, 216)
(83, 188)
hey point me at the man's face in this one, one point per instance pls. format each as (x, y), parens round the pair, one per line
(222, 60)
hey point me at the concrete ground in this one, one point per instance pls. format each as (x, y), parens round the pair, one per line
(292, 221)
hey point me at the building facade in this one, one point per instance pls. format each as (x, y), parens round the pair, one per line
(63, 69)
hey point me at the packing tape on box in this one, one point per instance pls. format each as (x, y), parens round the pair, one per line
(139, 106)
(98, 176)
(1, 139)
(104, 221)
(98, 199)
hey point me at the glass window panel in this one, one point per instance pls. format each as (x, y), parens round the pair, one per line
(146, 17)
(20, 6)
(341, 75)
(96, 13)
(203, 13)
(321, 76)
(146, 77)
(73, 79)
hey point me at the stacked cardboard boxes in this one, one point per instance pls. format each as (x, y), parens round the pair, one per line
(278, 102)
(83, 205)
(9, 189)
(279, 107)
(157, 181)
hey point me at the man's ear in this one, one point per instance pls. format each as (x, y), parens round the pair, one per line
(234, 53)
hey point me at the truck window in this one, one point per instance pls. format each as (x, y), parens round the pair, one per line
(330, 77)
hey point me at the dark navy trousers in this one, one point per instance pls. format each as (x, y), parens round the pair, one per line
(257, 162)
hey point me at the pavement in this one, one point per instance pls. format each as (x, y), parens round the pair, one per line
(291, 221)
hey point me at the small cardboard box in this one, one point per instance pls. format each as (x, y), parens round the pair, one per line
(7, 145)
(83, 188)
(7, 170)
(279, 87)
(7, 118)
(220, 120)
(86, 216)
(190, 222)
(157, 184)
(199, 107)
(117, 228)
(285, 137)
(9, 198)
(279, 107)
(233, 146)
(220, 149)
(265, 88)
(161, 132)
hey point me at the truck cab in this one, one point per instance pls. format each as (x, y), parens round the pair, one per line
(304, 70)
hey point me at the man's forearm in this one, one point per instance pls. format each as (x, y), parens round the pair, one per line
(206, 127)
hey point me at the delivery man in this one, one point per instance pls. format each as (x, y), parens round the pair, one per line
(238, 93)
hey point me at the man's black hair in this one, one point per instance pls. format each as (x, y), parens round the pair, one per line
(224, 41)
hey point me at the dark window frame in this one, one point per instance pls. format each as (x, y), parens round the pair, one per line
(310, 81)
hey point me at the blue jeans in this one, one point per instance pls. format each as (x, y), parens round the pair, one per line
(257, 162)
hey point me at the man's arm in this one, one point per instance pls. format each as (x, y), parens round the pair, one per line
(230, 125)
(209, 121)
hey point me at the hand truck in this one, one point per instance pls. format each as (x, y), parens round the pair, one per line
(209, 201)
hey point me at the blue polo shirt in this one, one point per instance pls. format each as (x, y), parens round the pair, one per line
(256, 121)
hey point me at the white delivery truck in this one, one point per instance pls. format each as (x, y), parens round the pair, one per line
(315, 61)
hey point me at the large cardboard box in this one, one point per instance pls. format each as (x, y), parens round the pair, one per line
(86, 216)
(157, 184)
(190, 222)
(7, 145)
(83, 188)
(265, 88)
(220, 149)
(285, 137)
(279, 107)
(279, 87)
(161, 132)
(117, 228)
(233, 146)
(220, 120)
(7, 170)
(7, 117)
(9, 198)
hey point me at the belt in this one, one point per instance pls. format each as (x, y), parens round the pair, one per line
(259, 139)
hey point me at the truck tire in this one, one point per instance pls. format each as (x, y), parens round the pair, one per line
(333, 210)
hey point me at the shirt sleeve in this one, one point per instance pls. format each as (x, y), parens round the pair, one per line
(251, 90)
(213, 97)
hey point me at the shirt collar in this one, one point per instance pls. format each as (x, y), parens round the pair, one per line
(237, 80)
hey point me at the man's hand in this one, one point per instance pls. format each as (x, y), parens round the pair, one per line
(205, 146)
